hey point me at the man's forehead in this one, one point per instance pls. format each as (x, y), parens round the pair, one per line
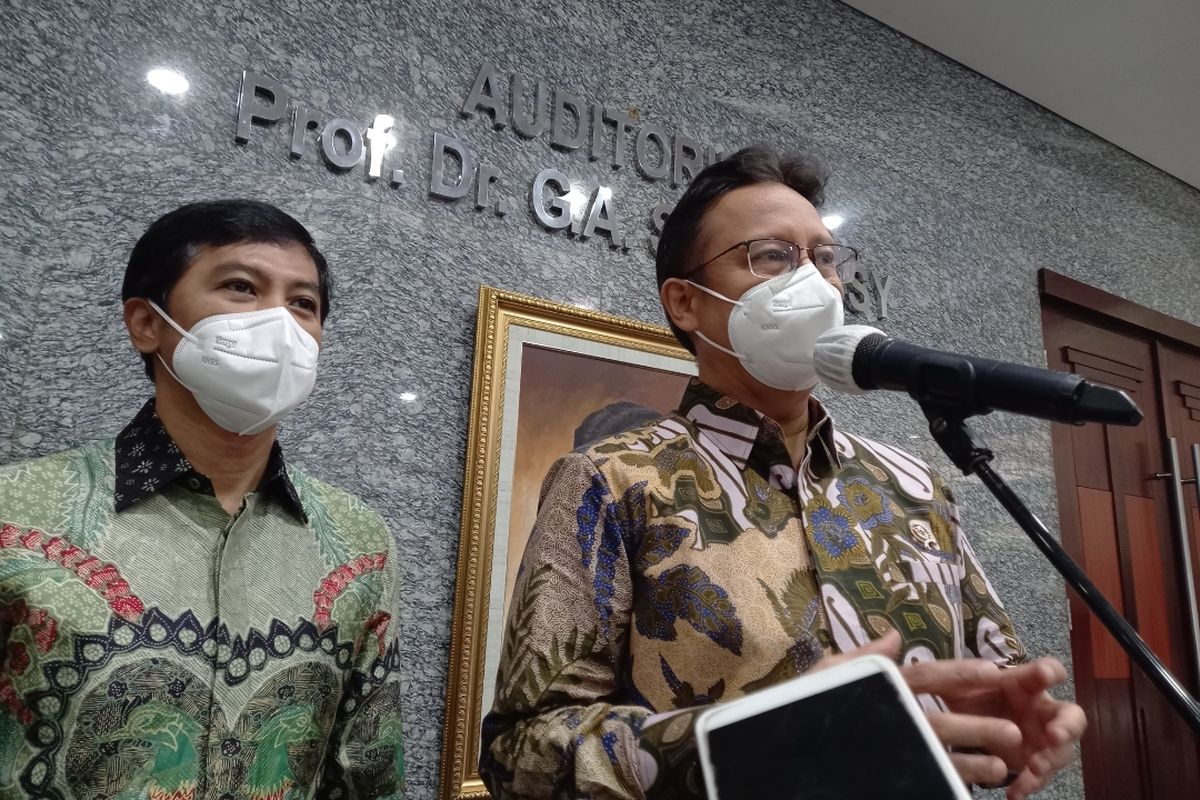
(761, 210)
(273, 257)
(749, 203)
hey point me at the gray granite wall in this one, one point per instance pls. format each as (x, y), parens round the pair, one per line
(955, 186)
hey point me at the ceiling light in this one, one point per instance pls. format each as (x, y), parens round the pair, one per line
(167, 81)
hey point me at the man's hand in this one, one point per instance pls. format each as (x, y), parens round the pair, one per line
(1001, 722)
(1008, 714)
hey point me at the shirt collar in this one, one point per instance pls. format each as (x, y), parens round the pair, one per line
(148, 462)
(751, 439)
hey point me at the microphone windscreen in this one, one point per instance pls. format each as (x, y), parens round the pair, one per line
(834, 356)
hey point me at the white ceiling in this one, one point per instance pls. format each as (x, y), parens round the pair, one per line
(1127, 70)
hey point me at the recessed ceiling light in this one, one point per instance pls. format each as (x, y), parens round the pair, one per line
(833, 221)
(407, 397)
(167, 81)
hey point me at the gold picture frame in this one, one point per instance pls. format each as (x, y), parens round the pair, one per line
(532, 357)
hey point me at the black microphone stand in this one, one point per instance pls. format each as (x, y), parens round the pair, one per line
(969, 453)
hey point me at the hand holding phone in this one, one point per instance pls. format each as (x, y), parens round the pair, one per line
(850, 732)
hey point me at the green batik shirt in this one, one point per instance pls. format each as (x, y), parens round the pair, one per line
(687, 562)
(155, 647)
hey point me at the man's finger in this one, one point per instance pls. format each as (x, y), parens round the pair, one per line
(950, 677)
(1037, 676)
(1068, 725)
(996, 737)
(1045, 763)
(980, 769)
(1026, 784)
(1053, 746)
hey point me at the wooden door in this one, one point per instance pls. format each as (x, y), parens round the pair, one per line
(1179, 384)
(1119, 522)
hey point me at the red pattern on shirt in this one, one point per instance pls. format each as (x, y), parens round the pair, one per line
(333, 584)
(105, 579)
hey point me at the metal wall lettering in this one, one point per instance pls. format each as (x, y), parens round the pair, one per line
(597, 149)
(341, 128)
(687, 156)
(642, 150)
(251, 105)
(483, 96)
(444, 145)
(585, 209)
(487, 176)
(622, 124)
(555, 180)
(658, 219)
(868, 291)
(380, 139)
(601, 216)
(303, 118)
(528, 127)
(566, 103)
(880, 283)
(574, 121)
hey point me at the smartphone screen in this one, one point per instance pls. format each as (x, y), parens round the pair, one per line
(853, 741)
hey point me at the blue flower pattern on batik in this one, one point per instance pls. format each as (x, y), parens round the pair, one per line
(832, 532)
(833, 538)
(609, 740)
(868, 504)
(587, 516)
(685, 592)
(620, 523)
(686, 694)
(606, 568)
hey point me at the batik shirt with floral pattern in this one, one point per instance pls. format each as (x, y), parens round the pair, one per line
(156, 647)
(687, 562)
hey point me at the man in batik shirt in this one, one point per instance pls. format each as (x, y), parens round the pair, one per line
(182, 614)
(743, 539)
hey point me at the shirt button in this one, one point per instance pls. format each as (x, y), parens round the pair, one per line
(194, 483)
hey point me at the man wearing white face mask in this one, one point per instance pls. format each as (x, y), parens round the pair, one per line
(744, 540)
(184, 614)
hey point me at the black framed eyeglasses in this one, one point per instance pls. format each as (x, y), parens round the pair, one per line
(770, 258)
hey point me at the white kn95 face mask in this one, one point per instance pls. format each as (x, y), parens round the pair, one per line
(774, 326)
(247, 370)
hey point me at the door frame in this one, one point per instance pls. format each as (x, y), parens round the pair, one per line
(1059, 288)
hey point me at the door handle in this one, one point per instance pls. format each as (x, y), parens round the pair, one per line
(1181, 518)
(1195, 471)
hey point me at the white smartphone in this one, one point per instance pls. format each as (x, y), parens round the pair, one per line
(852, 732)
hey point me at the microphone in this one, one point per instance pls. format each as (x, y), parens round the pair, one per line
(857, 358)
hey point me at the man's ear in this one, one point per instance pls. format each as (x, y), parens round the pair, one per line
(679, 300)
(144, 325)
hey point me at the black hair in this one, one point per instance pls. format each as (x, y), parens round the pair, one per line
(751, 165)
(613, 418)
(173, 241)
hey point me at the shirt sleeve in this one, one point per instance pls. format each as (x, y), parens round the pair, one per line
(366, 757)
(561, 725)
(988, 630)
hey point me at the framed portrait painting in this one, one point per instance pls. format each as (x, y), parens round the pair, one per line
(548, 378)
